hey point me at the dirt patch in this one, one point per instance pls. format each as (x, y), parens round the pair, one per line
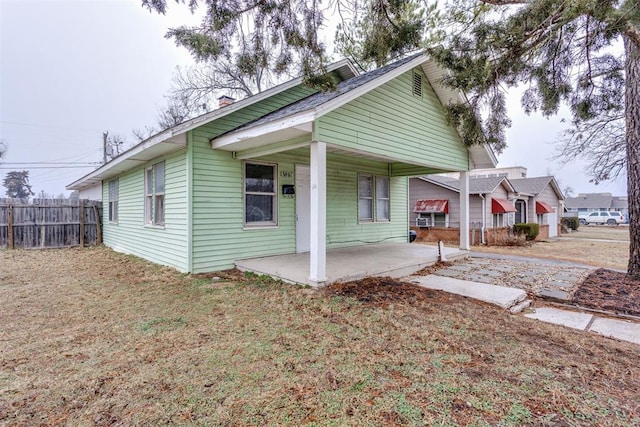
(609, 290)
(382, 291)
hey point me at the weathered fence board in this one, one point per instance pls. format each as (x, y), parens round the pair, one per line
(49, 223)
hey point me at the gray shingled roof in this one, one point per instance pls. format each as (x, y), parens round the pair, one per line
(531, 185)
(618, 202)
(476, 185)
(589, 201)
(319, 98)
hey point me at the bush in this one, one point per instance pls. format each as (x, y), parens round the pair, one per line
(530, 230)
(570, 222)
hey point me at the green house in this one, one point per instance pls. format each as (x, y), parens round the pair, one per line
(289, 170)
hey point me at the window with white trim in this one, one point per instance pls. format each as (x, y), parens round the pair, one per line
(373, 198)
(498, 220)
(113, 200)
(382, 198)
(260, 194)
(154, 194)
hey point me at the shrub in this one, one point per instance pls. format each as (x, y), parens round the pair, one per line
(570, 222)
(530, 230)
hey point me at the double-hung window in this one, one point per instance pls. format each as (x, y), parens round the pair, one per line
(113, 200)
(498, 220)
(373, 198)
(260, 195)
(154, 194)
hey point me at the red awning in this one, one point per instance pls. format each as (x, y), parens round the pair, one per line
(499, 206)
(543, 208)
(431, 206)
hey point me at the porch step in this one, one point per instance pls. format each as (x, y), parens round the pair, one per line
(518, 308)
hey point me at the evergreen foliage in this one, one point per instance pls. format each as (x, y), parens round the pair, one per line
(17, 185)
(564, 51)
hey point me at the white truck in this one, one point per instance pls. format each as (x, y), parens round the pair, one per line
(601, 217)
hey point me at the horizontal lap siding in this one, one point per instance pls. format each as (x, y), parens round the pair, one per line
(218, 235)
(343, 228)
(167, 245)
(391, 121)
(218, 216)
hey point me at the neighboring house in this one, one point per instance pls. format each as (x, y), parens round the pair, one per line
(538, 200)
(93, 192)
(435, 202)
(495, 201)
(287, 170)
(593, 202)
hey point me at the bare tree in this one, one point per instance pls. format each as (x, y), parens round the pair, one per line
(197, 87)
(3, 148)
(601, 142)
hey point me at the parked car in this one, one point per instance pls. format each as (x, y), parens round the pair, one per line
(602, 217)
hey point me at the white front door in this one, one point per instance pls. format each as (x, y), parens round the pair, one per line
(303, 208)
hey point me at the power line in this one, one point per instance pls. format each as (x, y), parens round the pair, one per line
(52, 163)
(51, 167)
(36, 125)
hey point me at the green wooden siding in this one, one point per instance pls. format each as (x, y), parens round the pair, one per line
(391, 121)
(219, 236)
(217, 198)
(164, 245)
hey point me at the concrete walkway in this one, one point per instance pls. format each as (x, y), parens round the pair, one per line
(540, 277)
(514, 299)
(624, 330)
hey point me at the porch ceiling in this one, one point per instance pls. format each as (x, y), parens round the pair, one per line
(300, 146)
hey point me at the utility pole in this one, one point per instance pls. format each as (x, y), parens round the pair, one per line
(104, 147)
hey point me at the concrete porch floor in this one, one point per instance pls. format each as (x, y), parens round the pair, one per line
(352, 263)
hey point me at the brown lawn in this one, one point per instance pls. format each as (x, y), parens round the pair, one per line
(91, 337)
(587, 245)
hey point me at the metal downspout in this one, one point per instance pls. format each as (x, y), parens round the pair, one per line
(484, 218)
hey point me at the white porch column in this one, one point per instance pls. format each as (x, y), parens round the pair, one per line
(464, 211)
(318, 249)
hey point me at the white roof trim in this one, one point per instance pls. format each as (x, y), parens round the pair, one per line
(481, 156)
(179, 131)
(301, 120)
(367, 87)
(142, 153)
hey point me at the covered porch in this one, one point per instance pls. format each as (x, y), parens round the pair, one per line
(352, 263)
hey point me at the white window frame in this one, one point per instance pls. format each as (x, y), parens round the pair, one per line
(386, 199)
(114, 197)
(273, 194)
(374, 198)
(153, 215)
(499, 220)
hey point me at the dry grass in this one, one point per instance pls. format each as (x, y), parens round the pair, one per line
(584, 246)
(91, 337)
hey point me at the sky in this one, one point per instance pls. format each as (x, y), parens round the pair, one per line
(71, 70)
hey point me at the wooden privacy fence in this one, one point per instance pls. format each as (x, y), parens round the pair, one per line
(49, 223)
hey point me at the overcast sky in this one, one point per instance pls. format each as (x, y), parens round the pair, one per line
(70, 70)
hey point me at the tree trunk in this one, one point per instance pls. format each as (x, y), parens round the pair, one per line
(632, 113)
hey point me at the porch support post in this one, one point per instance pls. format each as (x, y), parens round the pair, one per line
(318, 240)
(464, 211)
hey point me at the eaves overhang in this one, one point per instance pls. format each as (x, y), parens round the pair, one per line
(157, 146)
